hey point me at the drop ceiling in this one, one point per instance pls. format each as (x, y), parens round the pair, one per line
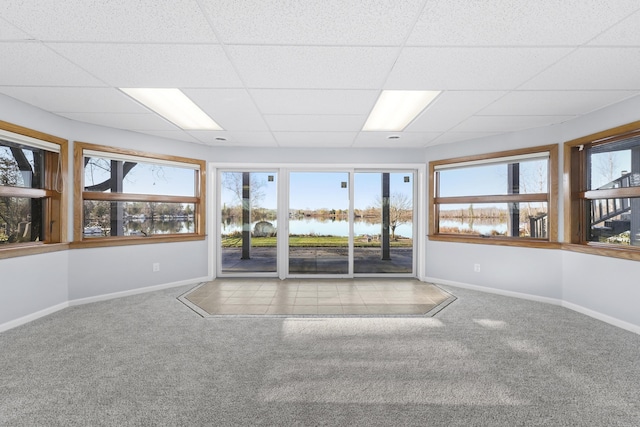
(307, 73)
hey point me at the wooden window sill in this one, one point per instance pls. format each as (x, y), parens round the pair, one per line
(25, 249)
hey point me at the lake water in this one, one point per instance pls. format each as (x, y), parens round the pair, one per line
(482, 227)
(326, 227)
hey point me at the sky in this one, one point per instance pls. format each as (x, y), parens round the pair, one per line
(323, 190)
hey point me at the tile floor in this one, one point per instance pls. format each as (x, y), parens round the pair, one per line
(344, 297)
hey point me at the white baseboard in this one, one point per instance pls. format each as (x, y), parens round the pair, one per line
(137, 291)
(521, 295)
(33, 316)
(586, 311)
(603, 317)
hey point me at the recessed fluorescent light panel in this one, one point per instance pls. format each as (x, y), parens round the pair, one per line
(174, 106)
(395, 109)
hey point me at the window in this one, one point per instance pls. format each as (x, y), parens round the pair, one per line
(32, 172)
(130, 197)
(603, 192)
(502, 197)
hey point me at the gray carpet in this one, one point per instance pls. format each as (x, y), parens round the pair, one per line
(485, 360)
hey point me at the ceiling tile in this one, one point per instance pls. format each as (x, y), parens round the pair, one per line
(507, 123)
(124, 121)
(110, 21)
(592, 68)
(75, 99)
(519, 23)
(451, 137)
(315, 139)
(538, 103)
(469, 68)
(10, 32)
(178, 135)
(451, 108)
(304, 67)
(623, 34)
(153, 65)
(241, 139)
(314, 123)
(314, 101)
(381, 140)
(313, 22)
(20, 67)
(232, 109)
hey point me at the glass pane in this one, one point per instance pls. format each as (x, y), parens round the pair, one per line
(614, 165)
(21, 166)
(20, 220)
(493, 179)
(251, 247)
(103, 218)
(615, 221)
(371, 253)
(319, 223)
(137, 178)
(495, 219)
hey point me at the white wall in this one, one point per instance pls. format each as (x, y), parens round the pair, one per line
(41, 283)
(603, 287)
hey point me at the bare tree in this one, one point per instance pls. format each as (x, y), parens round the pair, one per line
(400, 210)
(232, 181)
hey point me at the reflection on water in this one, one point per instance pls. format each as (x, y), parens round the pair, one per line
(481, 226)
(142, 228)
(323, 227)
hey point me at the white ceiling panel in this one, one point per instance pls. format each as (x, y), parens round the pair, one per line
(469, 68)
(153, 65)
(179, 135)
(232, 109)
(507, 123)
(624, 34)
(124, 121)
(10, 32)
(313, 22)
(315, 139)
(33, 64)
(592, 68)
(381, 139)
(451, 137)
(235, 139)
(314, 123)
(110, 21)
(516, 23)
(306, 67)
(75, 99)
(451, 108)
(313, 101)
(522, 103)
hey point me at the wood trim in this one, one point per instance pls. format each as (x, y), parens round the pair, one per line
(101, 242)
(141, 154)
(613, 193)
(501, 241)
(608, 135)
(18, 250)
(497, 155)
(566, 193)
(627, 252)
(78, 185)
(31, 133)
(33, 193)
(552, 205)
(501, 198)
(127, 197)
(432, 207)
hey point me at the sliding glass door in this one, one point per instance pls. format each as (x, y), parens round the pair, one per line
(319, 223)
(248, 226)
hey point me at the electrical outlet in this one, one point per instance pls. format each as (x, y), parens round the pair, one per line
(156, 267)
(476, 268)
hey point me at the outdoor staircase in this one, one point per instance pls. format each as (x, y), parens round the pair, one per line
(615, 212)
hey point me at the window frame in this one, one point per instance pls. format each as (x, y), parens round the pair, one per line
(551, 198)
(199, 199)
(53, 194)
(577, 193)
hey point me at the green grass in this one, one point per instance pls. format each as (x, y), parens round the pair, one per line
(310, 241)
